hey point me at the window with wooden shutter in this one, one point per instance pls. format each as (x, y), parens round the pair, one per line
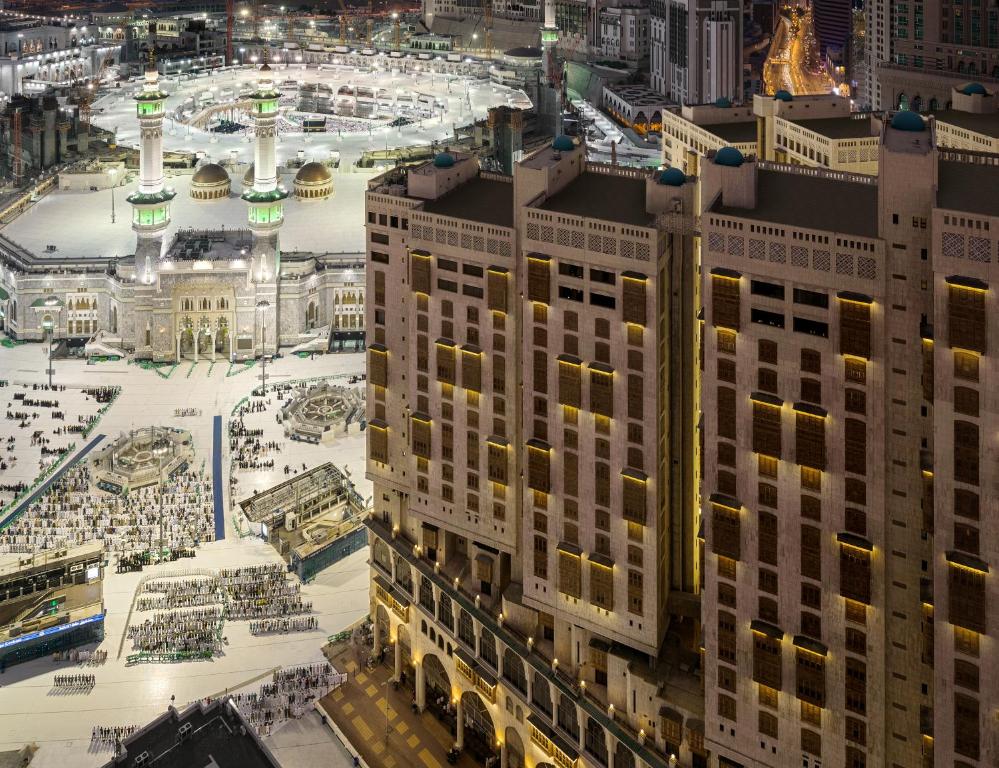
(726, 412)
(966, 401)
(966, 591)
(727, 643)
(633, 297)
(471, 368)
(854, 325)
(570, 381)
(636, 396)
(633, 493)
(538, 278)
(966, 315)
(811, 742)
(768, 725)
(420, 427)
(726, 537)
(420, 271)
(766, 425)
(855, 446)
(378, 441)
(967, 728)
(636, 592)
(811, 552)
(767, 656)
(539, 466)
(810, 677)
(445, 361)
(570, 578)
(810, 439)
(725, 301)
(601, 584)
(602, 389)
(429, 544)
(854, 571)
(496, 288)
(378, 365)
(966, 452)
(768, 538)
(570, 471)
(498, 456)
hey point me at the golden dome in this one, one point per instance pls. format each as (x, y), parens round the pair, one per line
(313, 173)
(210, 173)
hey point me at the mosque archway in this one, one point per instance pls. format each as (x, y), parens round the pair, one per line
(480, 733)
(516, 756)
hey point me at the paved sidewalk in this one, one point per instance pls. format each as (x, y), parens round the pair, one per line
(359, 709)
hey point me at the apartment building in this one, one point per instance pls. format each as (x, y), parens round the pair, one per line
(971, 120)
(531, 392)
(695, 50)
(846, 575)
(697, 129)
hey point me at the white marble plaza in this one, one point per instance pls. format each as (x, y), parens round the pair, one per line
(61, 724)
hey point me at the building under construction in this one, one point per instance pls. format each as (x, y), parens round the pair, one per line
(39, 132)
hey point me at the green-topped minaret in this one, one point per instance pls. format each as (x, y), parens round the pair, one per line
(151, 202)
(265, 200)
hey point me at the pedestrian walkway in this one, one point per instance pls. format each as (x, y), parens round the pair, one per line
(379, 721)
(217, 478)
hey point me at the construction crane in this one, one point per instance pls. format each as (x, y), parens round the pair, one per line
(487, 20)
(230, 21)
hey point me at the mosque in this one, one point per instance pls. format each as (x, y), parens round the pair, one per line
(216, 293)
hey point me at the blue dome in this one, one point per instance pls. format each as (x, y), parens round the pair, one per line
(563, 144)
(444, 160)
(908, 121)
(974, 89)
(784, 95)
(729, 156)
(672, 177)
(722, 102)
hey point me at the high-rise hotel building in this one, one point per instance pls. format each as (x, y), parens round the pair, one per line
(532, 446)
(848, 494)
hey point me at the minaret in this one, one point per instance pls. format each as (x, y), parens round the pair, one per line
(150, 202)
(550, 92)
(265, 199)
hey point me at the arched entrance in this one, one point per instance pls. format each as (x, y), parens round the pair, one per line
(479, 732)
(408, 678)
(515, 754)
(438, 688)
(382, 624)
(311, 315)
(903, 102)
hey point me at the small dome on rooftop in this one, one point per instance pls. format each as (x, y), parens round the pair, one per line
(563, 144)
(723, 103)
(210, 173)
(784, 95)
(672, 177)
(974, 89)
(907, 121)
(444, 160)
(313, 173)
(729, 156)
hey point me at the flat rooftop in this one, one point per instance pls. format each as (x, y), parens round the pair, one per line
(214, 740)
(839, 127)
(487, 201)
(985, 124)
(969, 187)
(620, 199)
(813, 202)
(734, 133)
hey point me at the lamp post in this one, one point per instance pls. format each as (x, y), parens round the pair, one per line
(49, 325)
(262, 306)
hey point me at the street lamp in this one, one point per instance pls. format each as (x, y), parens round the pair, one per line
(262, 306)
(49, 326)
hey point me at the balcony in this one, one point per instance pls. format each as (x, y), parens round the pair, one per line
(643, 749)
(392, 598)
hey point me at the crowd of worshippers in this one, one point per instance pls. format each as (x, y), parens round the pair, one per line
(178, 515)
(283, 626)
(195, 631)
(75, 682)
(105, 736)
(288, 696)
(192, 608)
